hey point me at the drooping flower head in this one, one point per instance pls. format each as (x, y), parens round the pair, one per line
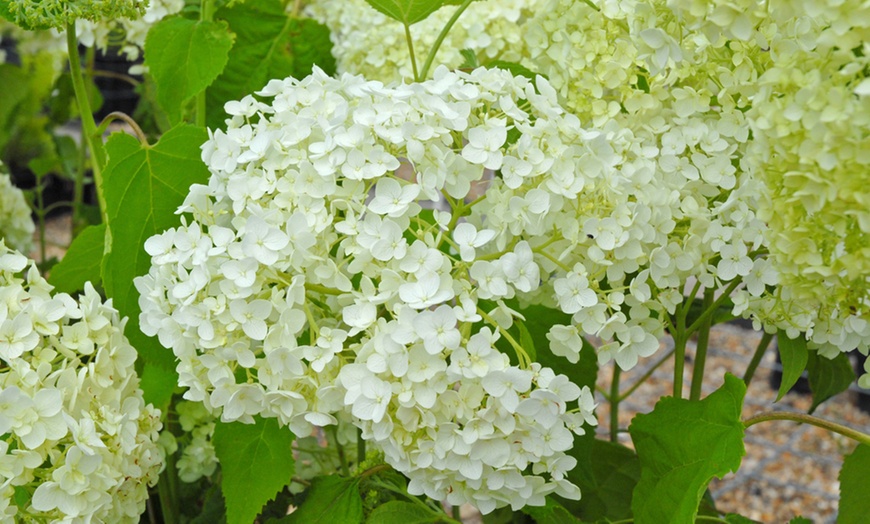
(313, 283)
(78, 441)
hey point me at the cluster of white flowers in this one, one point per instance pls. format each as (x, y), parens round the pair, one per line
(311, 282)
(38, 46)
(16, 226)
(77, 441)
(369, 43)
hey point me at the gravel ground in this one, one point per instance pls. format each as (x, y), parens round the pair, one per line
(789, 469)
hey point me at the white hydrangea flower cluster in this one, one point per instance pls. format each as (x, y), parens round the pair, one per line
(45, 45)
(128, 34)
(78, 441)
(369, 43)
(16, 225)
(311, 283)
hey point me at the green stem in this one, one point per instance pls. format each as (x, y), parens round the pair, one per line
(457, 513)
(341, 457)
(117, 115)
(441, 36)
(701, 351)
(522, 357)
(89, 127)
(410, 42)
(715, 305)
(853, 434)
(360, 448)
(374, 469)
(756, 357)
(639, 382)
(40, 215)
(167, 490)
(614, 403)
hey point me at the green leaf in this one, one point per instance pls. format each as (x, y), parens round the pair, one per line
(854, 502)
(81, 262)
(157, 386)
(401, 512)
(682, 445)
(828, 377)
(804, 520)
(407, 11)
(331, 499)
(256, 463)
(611, 473)
(143, 186)
(269, 44)
(526, 340)
(15, 89)
(513, 67)
(551, 513)
(469, 59)
(794, 356)
(539, 320)
(184, 57)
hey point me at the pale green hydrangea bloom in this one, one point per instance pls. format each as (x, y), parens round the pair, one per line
(16, 225)
(78, 441)
(369, 43)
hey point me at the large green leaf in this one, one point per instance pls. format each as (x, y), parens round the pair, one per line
(551, 513)
(828, 377)
(407, 11)
(184, 57)
(81, 263)
(682, 444)
(330, 500)
(539, 320)
(256, 463)
(794, 355)
(14, 82)
(854, 502)
(269, 44)
(606, 474)
(143, 186)
(401, 512)
(157, 386)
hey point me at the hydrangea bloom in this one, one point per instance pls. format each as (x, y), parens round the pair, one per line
(491, 29)
(691, 80)
(311, 283)
(78, 441)
(16, 226)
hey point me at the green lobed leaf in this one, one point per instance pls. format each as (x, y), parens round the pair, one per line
(828, 377)
(408, 12)
(330, 500)
(401, 512)
(81, 262)
(551, 513)
(682, 444)
(794, 355)
(269, 45)
(256, 463)
(184, 57)
(854, 502)
(143, 186)
(606, 477)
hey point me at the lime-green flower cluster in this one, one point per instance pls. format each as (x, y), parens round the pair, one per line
(45, 14)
